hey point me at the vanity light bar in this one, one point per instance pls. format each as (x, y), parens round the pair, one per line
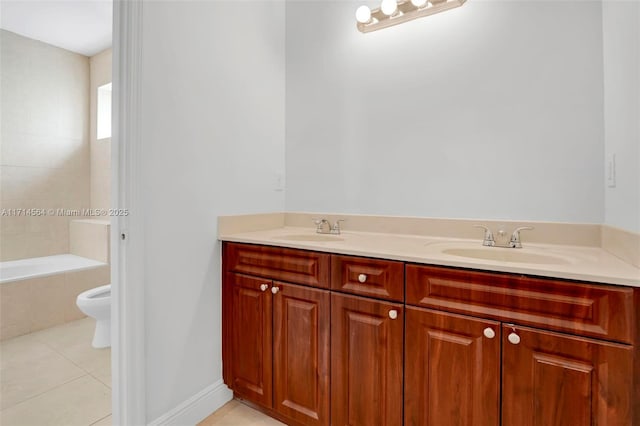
(392, 12)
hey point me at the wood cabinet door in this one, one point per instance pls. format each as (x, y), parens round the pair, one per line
(553, 379)
(251, 339)
(301, 320)
(366, 362)
(452, 370)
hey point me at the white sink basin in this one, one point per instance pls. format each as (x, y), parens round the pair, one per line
(310, 237)
(507, 255)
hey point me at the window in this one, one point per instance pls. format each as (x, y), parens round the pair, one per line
(104, 111)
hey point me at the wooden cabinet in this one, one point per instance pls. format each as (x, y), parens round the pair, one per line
(455, 369)
(554, 379)
(251, 339)
(280, 347)
(452, 370)
(326, 339)
(301, 320)
(366, 361)
(455, 372)
(276, 334)
(590, 310)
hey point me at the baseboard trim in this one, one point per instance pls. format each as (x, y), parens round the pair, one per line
(197, 408)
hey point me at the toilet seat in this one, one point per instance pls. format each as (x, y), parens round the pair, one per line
(96, 293)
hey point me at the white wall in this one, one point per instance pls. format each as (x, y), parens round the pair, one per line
(213, 140)
(491, 110)
(44, 152)
(621, 30)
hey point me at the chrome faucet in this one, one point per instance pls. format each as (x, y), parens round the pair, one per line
(514, 242)
(323, 226)
(488, 240)
(335, 229)
(320, 224)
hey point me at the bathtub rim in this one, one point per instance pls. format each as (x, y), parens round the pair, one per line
(86, 263)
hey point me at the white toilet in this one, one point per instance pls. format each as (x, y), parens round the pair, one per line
(96, 303)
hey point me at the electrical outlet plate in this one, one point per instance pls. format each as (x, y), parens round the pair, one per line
(279, 182)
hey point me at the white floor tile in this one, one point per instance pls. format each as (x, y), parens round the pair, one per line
(73, 341)
(78, 403)
(37, 370)
(235, 413)
(54, 376)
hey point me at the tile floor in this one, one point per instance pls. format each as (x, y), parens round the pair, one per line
(54, 377)
(235, 413)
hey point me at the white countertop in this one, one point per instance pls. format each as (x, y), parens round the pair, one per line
(549, 260)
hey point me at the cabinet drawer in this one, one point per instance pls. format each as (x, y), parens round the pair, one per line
(282, 264)
(383, 279)
(600, 311)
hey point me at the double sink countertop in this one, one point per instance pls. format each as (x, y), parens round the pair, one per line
(575, 262)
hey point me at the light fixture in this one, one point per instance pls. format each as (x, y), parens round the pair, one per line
(393, 12)
(363, 14)
(389, 7)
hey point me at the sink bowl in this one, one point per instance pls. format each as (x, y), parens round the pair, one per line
(507, 255)
(310, 237)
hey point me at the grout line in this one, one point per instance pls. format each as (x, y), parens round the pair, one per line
(73, 362)
(86, 370)
(100, 380)
(43, 392)
(40, 340)
(99, 420)
(67, 357)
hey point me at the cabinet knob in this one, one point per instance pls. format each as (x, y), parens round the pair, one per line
(514, 338)
(264, 287)
(362, 278)
(489, 333)
(393, 314)
(274, 289)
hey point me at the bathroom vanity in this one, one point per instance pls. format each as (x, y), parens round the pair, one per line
(319, 337)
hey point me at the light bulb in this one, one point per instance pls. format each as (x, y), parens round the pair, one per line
(388, 7)
(363, 14)
(419, 3)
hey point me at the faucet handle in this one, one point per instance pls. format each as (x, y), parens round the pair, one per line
(335, 229)
(318, 222)
(488, 236)
(515, 242)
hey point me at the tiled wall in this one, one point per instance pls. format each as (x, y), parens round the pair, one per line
(44, 161)
(90, 238)
(34, 304)
(100, 66)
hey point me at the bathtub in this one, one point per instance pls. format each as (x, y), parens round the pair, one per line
(40, 292)
(16, 270)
